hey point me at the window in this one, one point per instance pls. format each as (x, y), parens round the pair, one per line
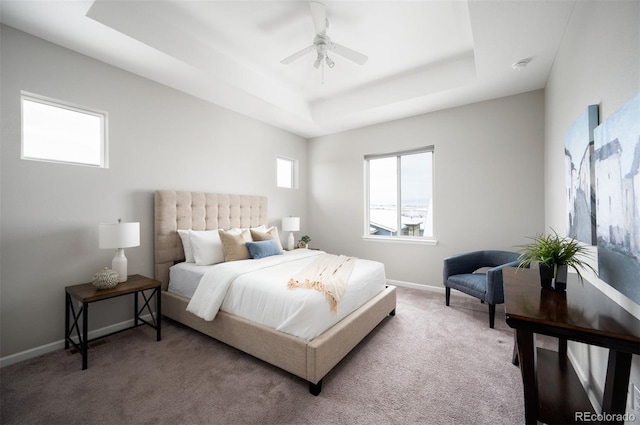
(58, 132)
(400, 194)
(286, 172)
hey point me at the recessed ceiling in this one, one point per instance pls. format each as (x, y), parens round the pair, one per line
(422, 55)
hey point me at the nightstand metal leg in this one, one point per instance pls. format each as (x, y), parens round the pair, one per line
(158, 315)
(71, 327)
(135, 310)
(85, 334)
(66, 320)
(155, 318)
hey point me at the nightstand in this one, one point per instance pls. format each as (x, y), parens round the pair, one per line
(86, 294)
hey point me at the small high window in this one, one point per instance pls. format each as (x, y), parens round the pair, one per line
(55, 131)
(286, 173)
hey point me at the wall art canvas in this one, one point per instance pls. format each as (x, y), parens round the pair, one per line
(580, 177)
(617, 161)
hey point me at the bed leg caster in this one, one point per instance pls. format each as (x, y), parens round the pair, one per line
(315, 388)
(393, 312)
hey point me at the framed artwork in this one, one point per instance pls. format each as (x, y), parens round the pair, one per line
(580, 177)
(617, 166)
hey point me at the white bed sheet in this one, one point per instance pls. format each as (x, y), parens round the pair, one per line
(262, 296)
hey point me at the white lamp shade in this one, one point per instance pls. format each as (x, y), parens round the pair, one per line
(290, 224)
(119, 235)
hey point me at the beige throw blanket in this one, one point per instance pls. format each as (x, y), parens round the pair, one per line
(328, 274)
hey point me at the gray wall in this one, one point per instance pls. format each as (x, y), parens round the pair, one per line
(598, 63)
(488, 183)
(159, 138)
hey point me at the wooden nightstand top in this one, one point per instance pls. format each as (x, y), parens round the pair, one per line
(86, 292)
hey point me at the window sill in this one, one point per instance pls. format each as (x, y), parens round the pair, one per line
(400, 239)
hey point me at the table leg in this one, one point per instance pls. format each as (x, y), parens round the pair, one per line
(614, 399)
(562, 346)
(514, 358)
(527, 356)
(85, 334)
(135, 309)
(66, 320)
(158, 314)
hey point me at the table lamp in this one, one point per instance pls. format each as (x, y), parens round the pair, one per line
(290, 224)
(119, 236)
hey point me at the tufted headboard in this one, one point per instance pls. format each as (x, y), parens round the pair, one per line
(197, 211)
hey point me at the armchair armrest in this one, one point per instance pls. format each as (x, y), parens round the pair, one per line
(495, 288)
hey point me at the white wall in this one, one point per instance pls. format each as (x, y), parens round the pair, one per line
(597, 63)
(488, 183)
(159, 138)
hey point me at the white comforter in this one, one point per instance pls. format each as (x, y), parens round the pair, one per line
(257, 290)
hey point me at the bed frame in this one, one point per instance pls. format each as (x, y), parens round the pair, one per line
(310, 360)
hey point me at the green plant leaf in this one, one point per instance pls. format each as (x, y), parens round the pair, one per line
(552, 249)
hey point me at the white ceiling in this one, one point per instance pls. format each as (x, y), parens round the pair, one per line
(423, 55)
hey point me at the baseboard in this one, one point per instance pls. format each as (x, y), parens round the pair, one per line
(440, 289)
(415, 285)
(59, 345)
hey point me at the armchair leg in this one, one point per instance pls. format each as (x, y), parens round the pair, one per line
(492, 315)
(447, 295)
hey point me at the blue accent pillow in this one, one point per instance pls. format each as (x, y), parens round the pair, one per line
(263, 249)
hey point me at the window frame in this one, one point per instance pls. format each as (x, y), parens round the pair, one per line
(425, 240)
(60, 104)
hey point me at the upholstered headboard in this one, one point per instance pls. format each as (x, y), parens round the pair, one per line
(198, 211)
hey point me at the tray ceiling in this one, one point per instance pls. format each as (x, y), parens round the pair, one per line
(423, 55)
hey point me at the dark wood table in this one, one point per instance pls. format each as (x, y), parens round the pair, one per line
(86, 294)
(553, 392)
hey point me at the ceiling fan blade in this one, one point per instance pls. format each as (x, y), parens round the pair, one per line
(319, 15)
(297, 55)
(348, 53)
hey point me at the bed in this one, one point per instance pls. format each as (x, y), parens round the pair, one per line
(309, 359)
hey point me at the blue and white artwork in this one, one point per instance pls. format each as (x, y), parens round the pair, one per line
(617, 161)
(580, 177)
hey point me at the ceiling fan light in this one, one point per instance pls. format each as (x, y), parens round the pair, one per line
(318, 61)
(330, 62)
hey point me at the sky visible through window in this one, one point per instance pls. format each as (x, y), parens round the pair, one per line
(416, 180)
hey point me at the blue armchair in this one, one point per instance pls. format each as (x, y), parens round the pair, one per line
(459, 272)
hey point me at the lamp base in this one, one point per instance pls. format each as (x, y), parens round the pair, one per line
(291, 242)
(119, 265)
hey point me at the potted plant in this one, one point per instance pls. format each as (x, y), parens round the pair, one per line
(554, 255)
(304, 242)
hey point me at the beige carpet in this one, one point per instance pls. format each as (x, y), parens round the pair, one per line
(430, 364)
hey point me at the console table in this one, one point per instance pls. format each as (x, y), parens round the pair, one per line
(553, 392)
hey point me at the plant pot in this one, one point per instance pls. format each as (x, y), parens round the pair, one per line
(553, 277)
(546, 275)
(560, 281)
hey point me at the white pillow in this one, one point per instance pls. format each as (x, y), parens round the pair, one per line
(207, 247)
(186, 244)
(238, 231)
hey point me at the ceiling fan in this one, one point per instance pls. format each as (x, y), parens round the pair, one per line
(322, 44)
